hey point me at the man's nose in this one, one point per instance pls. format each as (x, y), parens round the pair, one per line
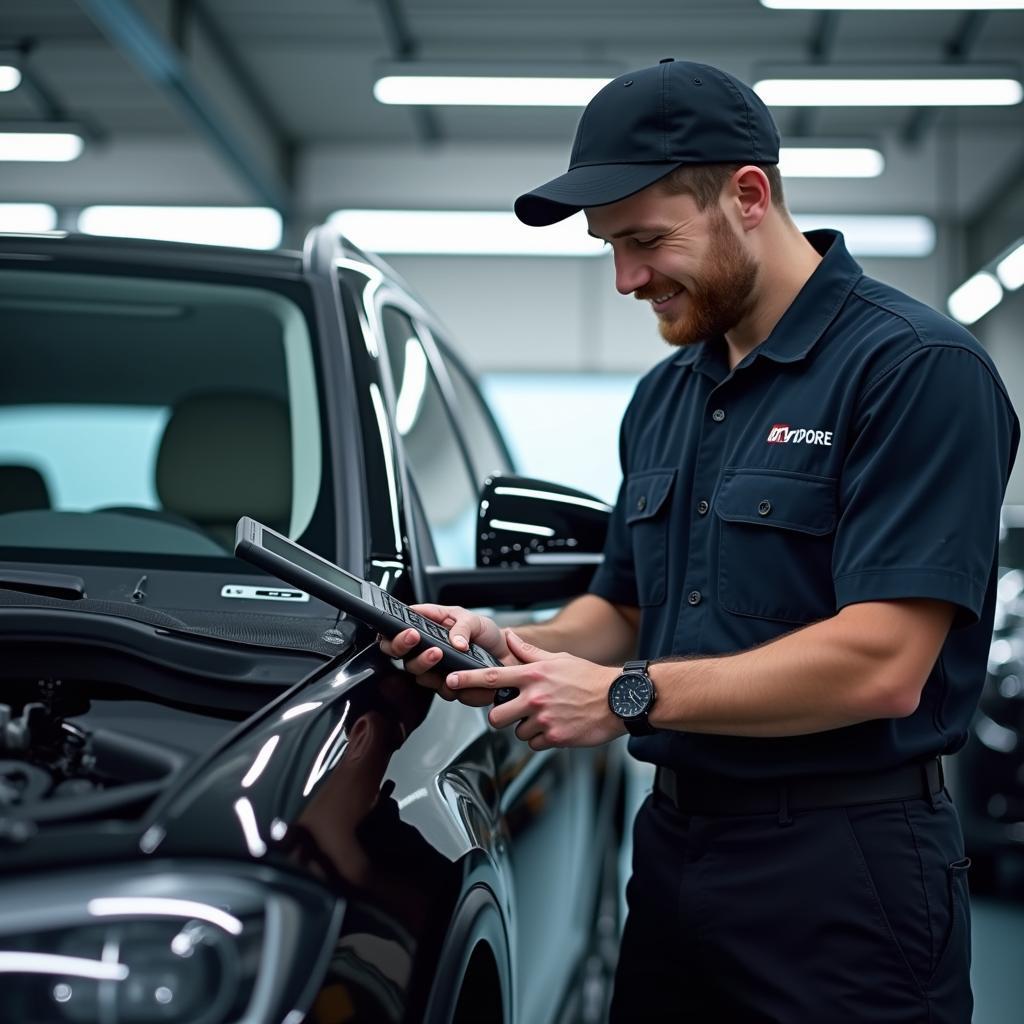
(630, 273)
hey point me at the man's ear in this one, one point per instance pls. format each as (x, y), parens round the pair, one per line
(748, 189)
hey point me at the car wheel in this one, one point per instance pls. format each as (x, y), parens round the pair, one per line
(480, 997)
(472, 980)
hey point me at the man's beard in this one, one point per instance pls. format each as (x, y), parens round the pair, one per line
(720, 298)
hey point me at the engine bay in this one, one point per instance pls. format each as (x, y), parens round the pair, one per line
(68, 753)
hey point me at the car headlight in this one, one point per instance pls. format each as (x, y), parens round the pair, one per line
(167, 944)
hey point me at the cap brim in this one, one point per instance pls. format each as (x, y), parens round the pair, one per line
(591, 185)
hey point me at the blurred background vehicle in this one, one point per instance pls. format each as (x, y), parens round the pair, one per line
(989, 771)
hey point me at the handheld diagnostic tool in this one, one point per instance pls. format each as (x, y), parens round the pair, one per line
(357, 597)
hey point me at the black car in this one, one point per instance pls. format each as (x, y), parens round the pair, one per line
(218, 800)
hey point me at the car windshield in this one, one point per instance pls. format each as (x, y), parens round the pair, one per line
(144, 415)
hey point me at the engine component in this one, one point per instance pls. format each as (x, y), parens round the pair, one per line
(22, 783)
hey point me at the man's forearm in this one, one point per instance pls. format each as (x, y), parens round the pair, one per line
(868, 662)
(588, 627)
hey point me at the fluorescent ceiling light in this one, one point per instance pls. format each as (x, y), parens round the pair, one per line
(43, 146)
(830, 162)
(1010, 269)
(463, 233)
(876, 234)
(894, 5)
(889, 92)
(974, 298)
(27, 218)
(487, 91)
(247, 227)
(10, 78)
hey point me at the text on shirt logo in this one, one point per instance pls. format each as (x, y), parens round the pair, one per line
(782, 433)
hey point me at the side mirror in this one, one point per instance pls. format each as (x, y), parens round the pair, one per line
(522, 521)
(537, 544)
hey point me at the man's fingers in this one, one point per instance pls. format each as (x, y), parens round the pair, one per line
(503, 715)
(494, 678)
(527, 729)
(400, 644)
(439, 613)
(403, 644)
(524, 651)
(473, 698)
(461, 624)
(426, 661)
(449, 617)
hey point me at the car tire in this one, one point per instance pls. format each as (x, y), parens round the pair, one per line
(473, 975)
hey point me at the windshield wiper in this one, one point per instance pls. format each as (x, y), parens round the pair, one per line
(49, 584)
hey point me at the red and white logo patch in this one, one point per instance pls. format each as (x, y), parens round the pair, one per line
(782, 433)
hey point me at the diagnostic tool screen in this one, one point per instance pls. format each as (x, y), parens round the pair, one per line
(306, 561)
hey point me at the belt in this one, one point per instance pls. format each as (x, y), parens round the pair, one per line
(711, 796)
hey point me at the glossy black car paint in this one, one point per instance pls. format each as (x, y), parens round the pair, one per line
(452, 862)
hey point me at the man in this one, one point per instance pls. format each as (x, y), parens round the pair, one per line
(802, 557)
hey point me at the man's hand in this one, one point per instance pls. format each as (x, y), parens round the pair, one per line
(562, 702)
(464, 627)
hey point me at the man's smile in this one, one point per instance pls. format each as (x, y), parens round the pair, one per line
(660, 302)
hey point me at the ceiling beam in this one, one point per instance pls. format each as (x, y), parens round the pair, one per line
(44, 97)
(999, 219)
(187, 62)
(823, 39)
(957, 49)
(403, 47)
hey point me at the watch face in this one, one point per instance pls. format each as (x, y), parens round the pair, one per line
(630, 695)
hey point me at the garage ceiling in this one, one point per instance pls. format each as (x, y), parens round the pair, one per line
(291, 79)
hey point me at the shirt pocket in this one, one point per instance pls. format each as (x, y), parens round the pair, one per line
(776, 534)
(647, 514)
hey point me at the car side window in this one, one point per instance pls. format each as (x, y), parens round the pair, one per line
(446, 491)
(486, 449)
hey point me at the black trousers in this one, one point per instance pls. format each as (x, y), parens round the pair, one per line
(847, 914)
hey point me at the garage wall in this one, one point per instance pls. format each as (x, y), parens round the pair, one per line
(564, 314)
(998, 226)
(1003, 334)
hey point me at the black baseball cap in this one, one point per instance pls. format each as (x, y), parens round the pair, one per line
(646, 123)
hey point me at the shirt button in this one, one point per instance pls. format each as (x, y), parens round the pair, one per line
(718, 415)
(693, 597)
(764, 508)
(702, 507)
(641, 503)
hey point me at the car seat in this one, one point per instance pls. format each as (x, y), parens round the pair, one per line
(226, 455)
(22, 488)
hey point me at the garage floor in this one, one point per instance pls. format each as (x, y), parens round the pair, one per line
(997, 933)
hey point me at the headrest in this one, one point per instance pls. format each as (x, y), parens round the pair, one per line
(225, 455)
(22, 488)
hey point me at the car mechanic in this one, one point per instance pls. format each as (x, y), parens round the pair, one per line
(802, 557)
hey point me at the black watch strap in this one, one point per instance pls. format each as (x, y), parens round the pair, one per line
(639, 726)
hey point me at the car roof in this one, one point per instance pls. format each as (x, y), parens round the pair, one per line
(71, 246)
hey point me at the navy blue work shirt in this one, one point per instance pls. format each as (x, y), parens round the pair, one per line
(860, 453)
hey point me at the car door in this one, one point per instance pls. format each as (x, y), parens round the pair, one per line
(546, 799)
(544, 803)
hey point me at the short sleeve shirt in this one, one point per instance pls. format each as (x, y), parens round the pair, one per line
(860, 453)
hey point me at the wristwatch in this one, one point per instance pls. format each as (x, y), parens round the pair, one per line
(631, 697)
